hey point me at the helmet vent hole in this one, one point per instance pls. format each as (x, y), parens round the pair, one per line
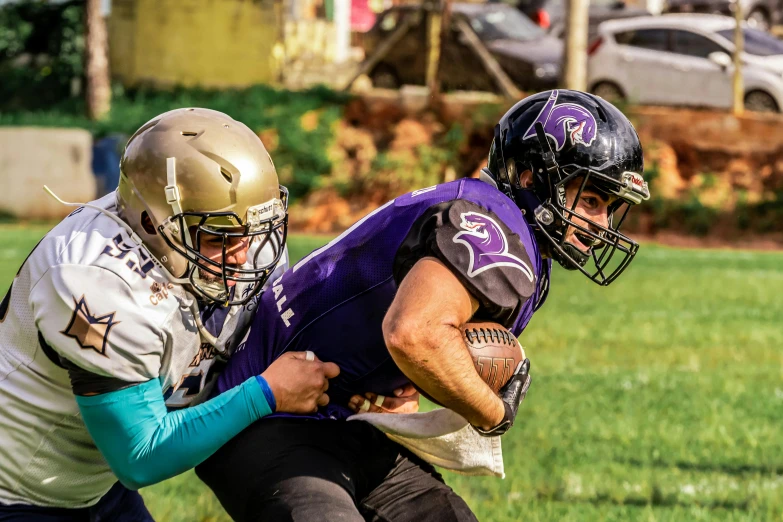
(189, 133)
(226, 175)
(146, 224)
(601, 113)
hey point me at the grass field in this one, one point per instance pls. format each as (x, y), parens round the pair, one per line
(658, 398)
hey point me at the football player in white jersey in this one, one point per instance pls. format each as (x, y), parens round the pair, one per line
(116, 317)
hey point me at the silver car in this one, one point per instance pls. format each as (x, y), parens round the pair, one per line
(684, 59)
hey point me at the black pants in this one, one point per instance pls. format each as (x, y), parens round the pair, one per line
(308, 470)
(118, 505)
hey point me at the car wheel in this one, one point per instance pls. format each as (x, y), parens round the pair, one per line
(608, 91)
(384, 77)
(759, 19)
(758, 101)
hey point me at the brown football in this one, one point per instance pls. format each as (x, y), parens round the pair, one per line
(495, 352)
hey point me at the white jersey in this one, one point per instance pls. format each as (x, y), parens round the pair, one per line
(88, 294)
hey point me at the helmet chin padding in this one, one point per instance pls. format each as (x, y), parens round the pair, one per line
(574, 254)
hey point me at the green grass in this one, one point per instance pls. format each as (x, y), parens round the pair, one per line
(659, 398)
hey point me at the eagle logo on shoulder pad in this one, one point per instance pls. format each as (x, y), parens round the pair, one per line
(487, 245)
(89, 330)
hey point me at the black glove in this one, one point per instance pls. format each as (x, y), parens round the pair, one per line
(512, 395)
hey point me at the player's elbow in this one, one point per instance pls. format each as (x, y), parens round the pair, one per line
(403, 334)
(135, 476)
(132, 480)
(392, 333)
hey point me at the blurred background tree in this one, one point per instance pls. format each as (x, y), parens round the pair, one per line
(41, 53)
(98, 91)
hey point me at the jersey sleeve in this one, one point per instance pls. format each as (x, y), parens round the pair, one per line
(91, 318)
(144, 444)
(483, 253)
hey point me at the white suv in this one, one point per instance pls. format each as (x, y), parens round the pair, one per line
(684, 59)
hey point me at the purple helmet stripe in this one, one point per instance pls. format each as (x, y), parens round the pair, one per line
(564, 121)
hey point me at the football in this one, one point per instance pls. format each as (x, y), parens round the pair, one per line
(495, 352)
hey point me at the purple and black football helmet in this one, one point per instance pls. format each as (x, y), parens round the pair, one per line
(560, 136)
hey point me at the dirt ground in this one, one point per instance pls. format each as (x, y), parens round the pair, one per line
(699, 163)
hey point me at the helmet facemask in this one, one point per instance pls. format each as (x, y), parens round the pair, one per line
(610, 250)
(553, 216)
(266, 229)
(201, 192)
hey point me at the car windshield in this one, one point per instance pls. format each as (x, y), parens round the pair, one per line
(617, 4)
(499, 24)
(756, 42)
(557, 5)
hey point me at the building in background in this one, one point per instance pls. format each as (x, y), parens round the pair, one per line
(231, 43)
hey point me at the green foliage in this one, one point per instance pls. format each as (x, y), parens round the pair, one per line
(41, 52)
(651, 172)
(452, 141)
(689, 216)
(300, 155)
(697, 218)
(762, 217)
(658, 398)
(423, 167)
(14, 32)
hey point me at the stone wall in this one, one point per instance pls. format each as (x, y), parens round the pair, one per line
(33, 157)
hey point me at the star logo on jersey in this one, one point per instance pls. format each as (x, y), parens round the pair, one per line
(90, 331)
(487, 245)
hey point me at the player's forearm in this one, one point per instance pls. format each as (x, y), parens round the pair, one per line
(144, 444)
(435, 358)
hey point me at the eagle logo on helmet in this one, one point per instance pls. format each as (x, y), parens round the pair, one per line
(564, 121)
(487, 245)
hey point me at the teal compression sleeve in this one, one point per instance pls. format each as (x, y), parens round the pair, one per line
(144, 444)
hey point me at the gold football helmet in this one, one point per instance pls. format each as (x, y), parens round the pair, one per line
(190, 172)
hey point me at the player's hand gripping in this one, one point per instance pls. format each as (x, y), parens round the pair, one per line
(299, 384)
(405, 400)
(512, 395)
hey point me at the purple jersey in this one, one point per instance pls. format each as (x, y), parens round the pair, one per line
(333, 301)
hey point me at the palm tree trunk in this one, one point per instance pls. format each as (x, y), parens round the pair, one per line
(96, 48)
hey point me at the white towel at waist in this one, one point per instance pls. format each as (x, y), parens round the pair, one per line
(442, 438)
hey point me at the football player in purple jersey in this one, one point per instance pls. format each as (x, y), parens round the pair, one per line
(386, 299)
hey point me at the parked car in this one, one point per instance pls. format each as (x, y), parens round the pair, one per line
(551, 14)
(529, 56)
(684, 60)
(760, 14)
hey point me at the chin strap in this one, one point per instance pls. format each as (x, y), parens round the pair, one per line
(208, 337)
(173, 197)
(136, 239)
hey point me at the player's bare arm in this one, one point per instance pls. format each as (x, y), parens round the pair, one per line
(563, 168)
(422, 333)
